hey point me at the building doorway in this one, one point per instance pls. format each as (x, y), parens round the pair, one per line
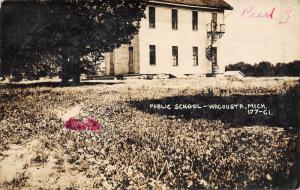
(111, 64)
(130, 60)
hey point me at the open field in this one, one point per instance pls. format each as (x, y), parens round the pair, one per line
(140, 147)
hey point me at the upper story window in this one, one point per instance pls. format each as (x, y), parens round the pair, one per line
(175, 55)
(152, 53)
(214, 21)
(152, 17)
(214, 18)
(195, 56)
(174, 19)
(195, 20)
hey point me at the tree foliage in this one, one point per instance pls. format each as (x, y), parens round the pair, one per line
(67, 31)
(267, 69)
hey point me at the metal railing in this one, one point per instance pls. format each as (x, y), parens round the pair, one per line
(214, 27)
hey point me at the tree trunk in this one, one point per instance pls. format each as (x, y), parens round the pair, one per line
(76, 79)
(64, 75)
(64, 80)
(76, 70)
(70, 68)
(1, 75)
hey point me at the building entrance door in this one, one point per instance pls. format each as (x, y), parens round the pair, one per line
(111, 64)
(130, 61)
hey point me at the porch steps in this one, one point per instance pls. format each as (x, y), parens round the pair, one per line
(131, 76)
(180, 76)
(102, 78)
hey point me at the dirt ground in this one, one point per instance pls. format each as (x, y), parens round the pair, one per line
(141, 147)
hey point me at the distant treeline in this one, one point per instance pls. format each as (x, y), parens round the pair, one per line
(266, 69)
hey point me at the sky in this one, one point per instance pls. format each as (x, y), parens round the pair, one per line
(261, 30)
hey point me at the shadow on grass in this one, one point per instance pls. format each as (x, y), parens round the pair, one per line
(54, 84)
(236, 110)
(284, 109)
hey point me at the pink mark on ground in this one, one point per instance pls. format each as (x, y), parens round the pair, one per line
(76, 125)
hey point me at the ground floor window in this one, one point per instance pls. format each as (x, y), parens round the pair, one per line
(175, 55)
(152, 53)
(195, 56)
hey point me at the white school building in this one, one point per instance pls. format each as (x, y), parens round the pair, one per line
(172, 39)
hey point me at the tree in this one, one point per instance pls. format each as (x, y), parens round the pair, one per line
(280, 69)
(265, 69)
(69, 31)
(247, 69)
(293, 68)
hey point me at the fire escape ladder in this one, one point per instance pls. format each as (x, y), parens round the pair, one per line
(214, 33)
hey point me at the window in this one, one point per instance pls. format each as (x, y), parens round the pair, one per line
(214, 21)
(195, 56)
(214, 18)
(174, 19)
(152, 50)
(152, 17)
(195, 20)
(175, 55)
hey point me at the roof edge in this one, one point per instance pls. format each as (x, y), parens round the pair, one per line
(227, 7)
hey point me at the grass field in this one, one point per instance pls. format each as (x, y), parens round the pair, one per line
(143, 148)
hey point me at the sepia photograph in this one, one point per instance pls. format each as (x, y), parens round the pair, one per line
(150, 94)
